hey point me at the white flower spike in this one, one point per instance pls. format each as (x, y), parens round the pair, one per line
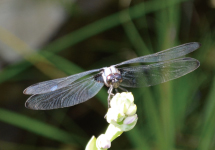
(122, 113)
(122, 117)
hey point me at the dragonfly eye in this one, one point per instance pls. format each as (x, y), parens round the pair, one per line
(118, 77)
(110, 78)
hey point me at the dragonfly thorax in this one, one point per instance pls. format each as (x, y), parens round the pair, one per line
(112, 76)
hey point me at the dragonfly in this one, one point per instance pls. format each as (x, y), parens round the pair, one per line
(68, 91)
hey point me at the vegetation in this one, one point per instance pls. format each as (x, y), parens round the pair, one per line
(176, 115)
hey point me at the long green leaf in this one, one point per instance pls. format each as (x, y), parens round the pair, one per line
(39, 128)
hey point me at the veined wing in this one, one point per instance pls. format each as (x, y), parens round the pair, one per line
(75, 93)
(53, 85)
(148, 75)
(168, 54)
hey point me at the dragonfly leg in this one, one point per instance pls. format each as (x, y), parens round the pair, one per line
(116, 90)
(109, 95)
(123, 89)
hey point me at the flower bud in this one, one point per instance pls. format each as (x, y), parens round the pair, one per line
(122, 101)
(130, 119)
(127, 124)
(128, 96)
(103, 142)
(114, 115)
(131, 110)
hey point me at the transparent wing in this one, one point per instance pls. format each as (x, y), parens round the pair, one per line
(53, 85)
(75, 93)
(148, 75)
(171, 53)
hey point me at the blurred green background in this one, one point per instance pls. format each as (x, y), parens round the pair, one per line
(42, 40)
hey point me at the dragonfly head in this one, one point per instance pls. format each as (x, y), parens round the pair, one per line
(114, 79)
